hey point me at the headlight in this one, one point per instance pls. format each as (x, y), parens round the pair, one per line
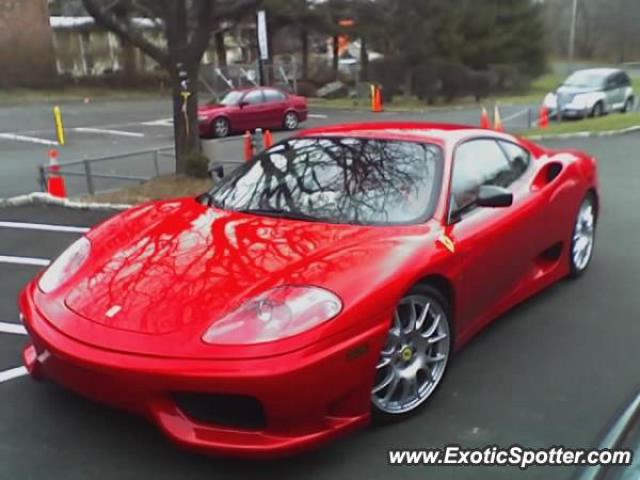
(550, 100)
(274, 315)
(583, 100)
(65, 265)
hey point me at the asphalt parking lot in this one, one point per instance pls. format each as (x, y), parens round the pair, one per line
(104, 128)
(552, 372)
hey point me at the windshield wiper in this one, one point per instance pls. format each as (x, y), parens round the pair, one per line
(280, 213)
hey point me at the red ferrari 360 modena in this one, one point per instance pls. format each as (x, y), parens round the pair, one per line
(325, 283)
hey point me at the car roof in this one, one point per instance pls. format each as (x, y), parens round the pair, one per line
(257, 87)
(423, 132)
(605, 72)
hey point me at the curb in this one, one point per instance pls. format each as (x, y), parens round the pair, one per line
(45, 199)
(565, 136)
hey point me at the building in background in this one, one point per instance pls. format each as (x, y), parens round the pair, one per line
(83, 49)
(26, 44)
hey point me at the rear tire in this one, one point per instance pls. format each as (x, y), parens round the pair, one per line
(414, 360)
(584, 237)
(628, 105)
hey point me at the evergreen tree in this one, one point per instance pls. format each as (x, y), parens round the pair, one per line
(503, 32)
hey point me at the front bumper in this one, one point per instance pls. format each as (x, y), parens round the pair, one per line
(309, 396)
(571, 112)
(204, 127)
(568, 110)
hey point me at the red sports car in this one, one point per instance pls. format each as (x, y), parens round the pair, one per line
(325, 283)
(260, 107)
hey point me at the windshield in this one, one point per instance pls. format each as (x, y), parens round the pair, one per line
(585, 79)
(338, 180)
(231, 98)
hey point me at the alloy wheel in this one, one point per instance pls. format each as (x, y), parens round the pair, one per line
(598, 110)
(221, 127)
(583, 236)
(415, 357)
(291, 121)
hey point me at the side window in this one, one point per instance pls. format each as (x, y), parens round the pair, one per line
(611, 83)
(477, 163)
(254, 97)
(625, 81)
(271, 95)
(519, 158)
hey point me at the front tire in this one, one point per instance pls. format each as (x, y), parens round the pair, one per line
(598, 110)
(584, 236)
(414, 360)
(220, 127)
(291, 121)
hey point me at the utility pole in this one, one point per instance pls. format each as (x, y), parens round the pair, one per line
(572, 34)
(263, 43)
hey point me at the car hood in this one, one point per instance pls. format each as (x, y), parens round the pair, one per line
(212, 109)
(575, 90)
(172, 269)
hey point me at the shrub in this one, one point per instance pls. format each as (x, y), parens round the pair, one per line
(388, 72)
(426, 82)
(197, 165)
(509, 78)
(307, 88)
(481, 83)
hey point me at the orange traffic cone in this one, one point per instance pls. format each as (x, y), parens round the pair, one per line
(268, 139)
(377, 100)
(497, 120)
(55, 185)
(373, 98)
(248, 146)
(543, 121)
(485, 121)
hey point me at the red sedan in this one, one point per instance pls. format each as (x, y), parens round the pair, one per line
(325, 283)
(260, 107)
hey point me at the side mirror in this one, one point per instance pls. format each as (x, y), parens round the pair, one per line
(494, 197)
(216, 171)
(243, 104)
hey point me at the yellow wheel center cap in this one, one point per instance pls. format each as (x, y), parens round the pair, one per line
(407, 354)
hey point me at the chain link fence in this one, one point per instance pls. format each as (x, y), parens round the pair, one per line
(92, 175)
(282, 73)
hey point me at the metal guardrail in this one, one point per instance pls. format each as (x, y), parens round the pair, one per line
(153, 155)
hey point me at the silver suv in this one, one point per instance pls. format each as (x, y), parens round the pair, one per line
(593, 92)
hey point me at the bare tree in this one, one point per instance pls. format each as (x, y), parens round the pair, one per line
(188, 26)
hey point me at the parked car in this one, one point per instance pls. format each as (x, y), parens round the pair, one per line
(248, 109)
(324, 283)
(593, 92)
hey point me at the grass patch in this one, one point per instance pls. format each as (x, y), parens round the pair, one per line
(614, 121)
(160, 188)
(539, 88)
(21, 96)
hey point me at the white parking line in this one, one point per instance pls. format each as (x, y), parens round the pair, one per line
(25, 138)
(38, 262)
(13, 373)
(12, 328)
(317, 115)
(164, 122)
(43, 227)
(106, 131)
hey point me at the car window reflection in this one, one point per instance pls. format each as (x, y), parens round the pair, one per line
(340, 180)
